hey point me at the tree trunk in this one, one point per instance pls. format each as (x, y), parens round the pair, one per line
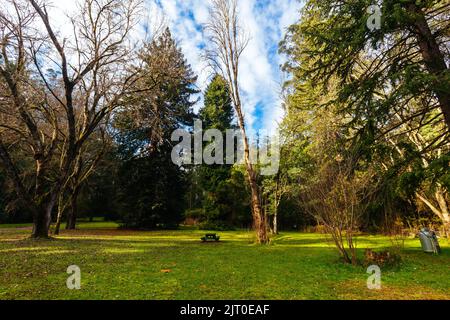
(275, 221)
(444, 210)
(433, 59)
(443, 215)
(42, 220)
(73, 212)
(59, 216)
(259, 221)
(58, 223)
(40, 225)
(42, 212)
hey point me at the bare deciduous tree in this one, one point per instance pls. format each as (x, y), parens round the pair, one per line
(85, 164)
(338, 200)
(227, 43)
(61, 90)
(29, 121)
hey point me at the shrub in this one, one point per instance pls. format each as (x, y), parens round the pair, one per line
(381, 259)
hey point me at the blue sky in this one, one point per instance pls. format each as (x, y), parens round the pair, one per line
(265, 21)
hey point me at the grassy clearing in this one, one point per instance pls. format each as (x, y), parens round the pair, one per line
(120, 264)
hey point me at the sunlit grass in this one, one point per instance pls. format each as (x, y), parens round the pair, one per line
(123, 264)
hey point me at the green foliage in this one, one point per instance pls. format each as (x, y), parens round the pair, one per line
(376, 95)
(217, 112)
(377, 70)
(216, 193)
(151, 192)
(439, 170)
(150, 187)
(161, 101)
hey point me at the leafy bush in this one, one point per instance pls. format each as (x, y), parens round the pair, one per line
(150, 193)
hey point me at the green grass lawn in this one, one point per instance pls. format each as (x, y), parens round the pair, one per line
(120, 264)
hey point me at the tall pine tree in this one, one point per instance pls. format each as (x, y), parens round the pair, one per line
(151, 187)
(217, 113)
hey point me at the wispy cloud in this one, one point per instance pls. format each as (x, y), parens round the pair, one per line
(260, 77)
(264, 20)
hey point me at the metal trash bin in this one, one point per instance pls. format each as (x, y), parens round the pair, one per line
(429, 241)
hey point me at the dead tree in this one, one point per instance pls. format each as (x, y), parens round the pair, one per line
(227, 43)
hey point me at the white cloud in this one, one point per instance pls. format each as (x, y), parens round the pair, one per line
(264, 20)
